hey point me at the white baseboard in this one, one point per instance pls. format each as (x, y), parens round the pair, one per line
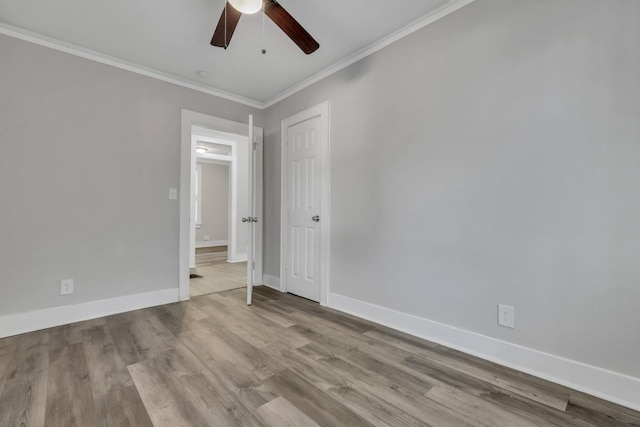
(211, 243)
(14, 324)
(608, 385)
(238, 258)
(271, 281)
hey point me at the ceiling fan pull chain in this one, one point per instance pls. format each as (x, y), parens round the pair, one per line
(226, 5)
(264, 19)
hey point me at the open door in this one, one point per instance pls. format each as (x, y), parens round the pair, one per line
(251, 218)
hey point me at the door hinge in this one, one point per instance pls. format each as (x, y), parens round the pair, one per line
(255, 145)
(253, 265)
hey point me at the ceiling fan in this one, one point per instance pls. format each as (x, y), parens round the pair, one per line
(234, 9)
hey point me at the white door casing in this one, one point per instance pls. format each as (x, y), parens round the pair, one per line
(305, 204)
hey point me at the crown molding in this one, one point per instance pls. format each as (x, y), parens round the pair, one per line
(416, 25)
(92, 55)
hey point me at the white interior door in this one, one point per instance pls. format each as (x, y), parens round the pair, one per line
(303, 195)
(251, 219)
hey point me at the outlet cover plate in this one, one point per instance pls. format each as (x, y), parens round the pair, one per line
(506, 316)
(66, 286)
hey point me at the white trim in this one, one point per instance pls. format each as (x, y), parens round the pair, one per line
(14, 324)
(211, 243)
(92, 55)
(258, 207)
(232, 225)
(271, 281)
(197, 197)
(214, 158)
(608, 385)
(322, 111)
(212, 161)
(416, 25)
(238, 258)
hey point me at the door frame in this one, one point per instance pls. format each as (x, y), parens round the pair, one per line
(187, 166)
(322, 111)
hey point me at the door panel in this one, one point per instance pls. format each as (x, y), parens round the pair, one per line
(251, 215)
(303, 161)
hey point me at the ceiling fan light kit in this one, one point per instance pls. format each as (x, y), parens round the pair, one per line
(247, 6)
(233, 10)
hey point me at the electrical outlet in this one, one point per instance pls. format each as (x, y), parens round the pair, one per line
(66, 286)
(506, 316)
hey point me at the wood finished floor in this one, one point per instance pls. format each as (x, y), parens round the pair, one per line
(218, 276)
(284, 361)
(205, 256)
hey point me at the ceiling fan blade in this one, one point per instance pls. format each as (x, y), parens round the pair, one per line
(228, 21)
(290, 26)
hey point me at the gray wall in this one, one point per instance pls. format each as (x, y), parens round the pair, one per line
(215, 202)
(492, 157)
(88, 153)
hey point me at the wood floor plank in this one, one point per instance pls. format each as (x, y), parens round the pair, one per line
(594, 413)
(242, 361)
(234, 362)
(107, 368)
(74, 333)
(165, 405)
(179, 317)
(140, 336)
(6, 356)
(406, 400)
(358, 348)
(337, 318)
(258, 331)
(511, 380)
(23, 400)
(490, 374)
(30, 354)
(527, 409)
(69, 395)
(397, 375)
(351, 388)
(23, 395)
(502, 380)
(280, 412)
(273, 316)
(178, 390)
(317, 405)
(122, 407)
(486, 413)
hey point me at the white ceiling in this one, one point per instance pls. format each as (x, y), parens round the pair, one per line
(171, 37)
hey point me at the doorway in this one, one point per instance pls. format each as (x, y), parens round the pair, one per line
(219, 264)
(221, 145)
(304, 269)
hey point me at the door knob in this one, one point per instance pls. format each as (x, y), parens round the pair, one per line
(254, 219)
(247, 219)
(315, 218)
